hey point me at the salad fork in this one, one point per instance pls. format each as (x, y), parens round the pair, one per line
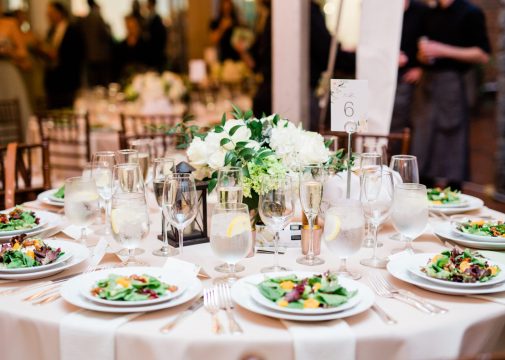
(226, 302)
(211, 304)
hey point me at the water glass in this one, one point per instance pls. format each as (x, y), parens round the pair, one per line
(369, 161)
(101, 172)
(406, 167)
(230, 235)
(229, 185)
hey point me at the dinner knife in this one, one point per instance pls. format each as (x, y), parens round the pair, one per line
(195, 306)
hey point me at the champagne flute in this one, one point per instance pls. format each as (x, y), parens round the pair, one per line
(101, 172)
(129, 222)
(230, 235)
(311, 193)
(125, 156)
(162, 168)
(180, 202)
(344, 228)
(276, 208)
(127, 178)
(105, 158)
(144, 149)
(369, 161)
(410, 212)
(81, 203)
(377, 199)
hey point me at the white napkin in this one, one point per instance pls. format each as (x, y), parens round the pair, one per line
(75, 232)
(322, 340)
(176, 266)
(86, 335)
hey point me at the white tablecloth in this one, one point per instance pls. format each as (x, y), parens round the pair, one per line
(472, 325)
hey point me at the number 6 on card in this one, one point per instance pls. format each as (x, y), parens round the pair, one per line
(349, 103)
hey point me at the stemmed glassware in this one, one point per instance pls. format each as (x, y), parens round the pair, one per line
(162, 168)
(125, 156)
(230, 235)
(102, 166)
(311, 193)
(377, 199)
(81, 203)
(410, 212)
(369, 161)
(144, 149)
(344, 228)
(180, 202)
(127, 178)
(276, 208)
(130, 222)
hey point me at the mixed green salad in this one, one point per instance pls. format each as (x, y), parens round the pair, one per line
(460, 266)
(18, 219)
(21, 252)
(317, 291)
(482, 228)
(131, 288)
(437, 196)
(60, 194)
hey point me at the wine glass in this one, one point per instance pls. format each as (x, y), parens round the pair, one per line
(344, 228)
(101, 172)
(406, 167)
(180, 202)
(410, 211)
(81, 203)
(127, 178)
(276, 208)
(144, 149)
(129, 222)
(125, 156)
(162, 168)
(311, 193)
(377, 199)
(369, 161)
(229, 185)
(230, 235)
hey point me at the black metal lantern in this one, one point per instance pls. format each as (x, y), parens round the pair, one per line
(196, 232)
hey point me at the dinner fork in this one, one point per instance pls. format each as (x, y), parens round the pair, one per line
(381, 290)
(211, 304)
(225, 300)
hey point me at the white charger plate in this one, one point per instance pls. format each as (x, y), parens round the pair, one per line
(71, 291)
(47, 220)
(52, 243)
(475, 237)
(241, 295)
(347, 283)
(10, 233)
(399, 268)
(90, 281)
(470, 203)
(444, 230)
(79, 254)
(48, 197)
(418, 260)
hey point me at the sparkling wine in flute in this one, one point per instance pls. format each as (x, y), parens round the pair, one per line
(230, 194)
(311, 193)
(144, 164)
(158, 191)
(128, 178)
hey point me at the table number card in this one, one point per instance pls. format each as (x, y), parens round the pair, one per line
(349, 103)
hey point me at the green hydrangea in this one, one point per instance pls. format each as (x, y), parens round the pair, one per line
(260, 176)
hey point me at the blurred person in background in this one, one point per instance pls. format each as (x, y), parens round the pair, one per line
(456, 39)
(64, 50)
(132, 52)
(222, 31)
(156, 38)
(98, 46)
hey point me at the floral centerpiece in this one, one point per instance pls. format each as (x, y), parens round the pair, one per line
(263, 148)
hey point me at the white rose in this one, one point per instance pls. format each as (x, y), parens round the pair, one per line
(252, 144)
(198, 153)
(312, 149)
(242, 134)
(216, 160)
(213, 141)
(285, 140)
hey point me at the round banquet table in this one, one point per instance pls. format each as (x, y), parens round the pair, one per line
(470, 327)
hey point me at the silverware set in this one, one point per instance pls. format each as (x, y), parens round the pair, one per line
(216, 299)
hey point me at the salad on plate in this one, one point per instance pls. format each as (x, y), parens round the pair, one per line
(22, 252)
(131, 288)
(480, 227)
(460, 266)
(59, 194)
(18, 219)
(439, 197)
(317, 291)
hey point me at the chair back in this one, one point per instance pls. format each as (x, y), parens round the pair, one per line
(24, 172)
(10, 121)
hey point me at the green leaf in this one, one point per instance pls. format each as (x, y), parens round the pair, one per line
(246, 153)
(212, 184)
(223, 119)
(229, 157)
(224, 141)
(234, 129)
(249, 113)
(237, 113)
(275, 119)
(218, 129)
(241, 144)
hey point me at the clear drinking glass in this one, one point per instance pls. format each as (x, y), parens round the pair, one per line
(81, 203)
(377, 199)
(101, 172)
(162, 167)
(144, 149)
(129, 222)
(276, 208)
(311, 193)
(369, 161)
(125, 156)
(106, 159)
(127, 178)
(230, 235)
(410, 211)
(344, 228)
(180, 202)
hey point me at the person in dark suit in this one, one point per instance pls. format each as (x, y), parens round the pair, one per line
(132, 52)
(64, 50)
(156, 38)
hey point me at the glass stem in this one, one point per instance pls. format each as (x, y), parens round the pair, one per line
(164, 225)
(107, 217)
(408, 245)
(276, 250)
(375, 229)
(84, 238)
(181, 240)
(131, 256)
(310, 252)
(343, 266)
(231, 267)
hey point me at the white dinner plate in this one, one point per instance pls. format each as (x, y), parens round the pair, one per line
(241, 295)
(444, 230)
(79, 254)
(419, 260)
(47, 220)
(477, 237)
(10, 233)
(470, 203)
(347, 283)
(67, 254)
(399, 268)
(71, 291)
(91, 279)
(461, 203)
(47, 197)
